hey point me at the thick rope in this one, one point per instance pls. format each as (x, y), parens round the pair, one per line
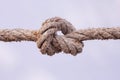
(17, 34)
(49, 42)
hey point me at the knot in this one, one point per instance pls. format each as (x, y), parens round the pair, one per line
(49, 42)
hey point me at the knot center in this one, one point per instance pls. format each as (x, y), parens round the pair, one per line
(50, 42)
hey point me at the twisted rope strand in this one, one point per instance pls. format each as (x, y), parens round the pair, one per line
(96, 33)
(49, 42)
(8, 35)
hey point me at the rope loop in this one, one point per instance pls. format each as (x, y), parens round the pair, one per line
(49, 42)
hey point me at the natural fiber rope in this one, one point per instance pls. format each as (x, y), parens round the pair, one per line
(49, 42)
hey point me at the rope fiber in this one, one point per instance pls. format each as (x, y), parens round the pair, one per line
(49, 42)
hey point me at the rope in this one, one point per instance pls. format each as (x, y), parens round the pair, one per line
(49, 42)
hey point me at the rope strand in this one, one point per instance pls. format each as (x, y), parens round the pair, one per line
(96, 33)
(49, 42)
(8, 35)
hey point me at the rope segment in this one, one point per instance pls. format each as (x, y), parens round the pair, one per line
(49, 42)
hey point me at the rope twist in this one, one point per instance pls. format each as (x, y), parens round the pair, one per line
(50, 42)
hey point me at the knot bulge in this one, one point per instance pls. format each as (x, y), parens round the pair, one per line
(49, 42)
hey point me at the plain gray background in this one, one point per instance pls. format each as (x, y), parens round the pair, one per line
(23, 61)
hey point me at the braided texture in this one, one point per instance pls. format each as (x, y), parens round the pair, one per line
(17, 34)
(49, 42)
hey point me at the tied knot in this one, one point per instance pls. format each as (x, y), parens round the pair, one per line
(49, 42)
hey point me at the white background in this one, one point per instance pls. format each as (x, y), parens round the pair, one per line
(23, 61)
